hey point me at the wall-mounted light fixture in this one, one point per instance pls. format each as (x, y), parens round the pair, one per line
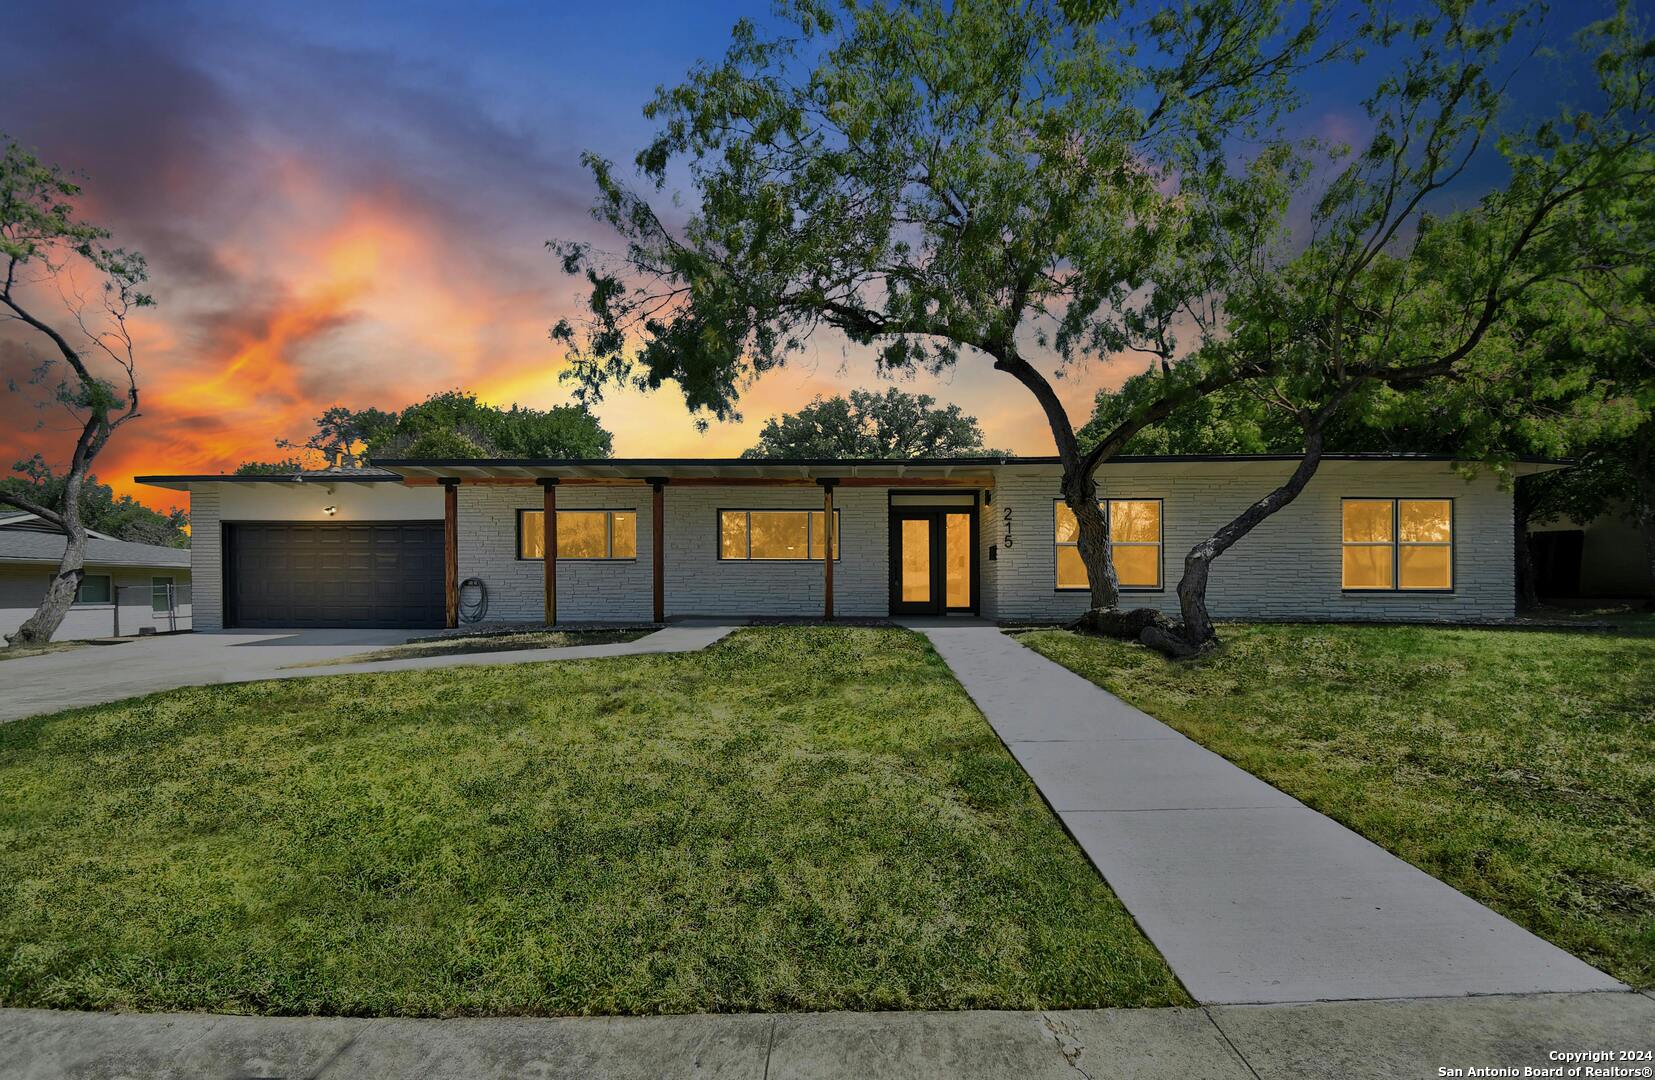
(330, 510)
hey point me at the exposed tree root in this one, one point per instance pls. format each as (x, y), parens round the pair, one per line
(1144, 625)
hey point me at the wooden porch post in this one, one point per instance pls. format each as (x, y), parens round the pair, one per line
(548, 484)
(658, 527)
(827, 546)
(451, 552)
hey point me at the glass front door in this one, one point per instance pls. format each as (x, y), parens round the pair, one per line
(932, 564)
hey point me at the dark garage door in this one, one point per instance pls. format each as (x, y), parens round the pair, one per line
(346, 574)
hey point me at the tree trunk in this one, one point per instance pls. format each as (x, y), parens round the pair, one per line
(1643, 476)
(71, 569)
(1196, 633)
(1080, 494)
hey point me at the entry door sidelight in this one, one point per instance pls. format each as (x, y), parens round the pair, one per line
(933, 561)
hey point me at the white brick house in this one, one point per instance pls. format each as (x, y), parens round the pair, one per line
(422, 543)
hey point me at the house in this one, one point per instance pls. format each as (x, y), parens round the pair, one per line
(128, 589)
(428, 543)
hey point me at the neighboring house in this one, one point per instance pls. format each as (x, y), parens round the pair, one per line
(128, 589)
(420, 543)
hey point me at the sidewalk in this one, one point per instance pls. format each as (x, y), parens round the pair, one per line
(1250, 895)
(1346, 1040)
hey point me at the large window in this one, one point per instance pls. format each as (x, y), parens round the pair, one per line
(1398, 544)
(95, 589)
(581, 534)
(778, 535)
(1134, 536)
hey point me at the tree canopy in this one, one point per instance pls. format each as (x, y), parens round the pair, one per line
(101, 510)
(894, 424)
(449, 424)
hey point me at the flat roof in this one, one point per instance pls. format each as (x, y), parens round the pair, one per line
(395, 470)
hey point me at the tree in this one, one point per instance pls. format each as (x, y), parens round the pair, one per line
(44, 244)
(971, 181)
(868, 425)
(1390, 311)
(124, 518)
(450, 424)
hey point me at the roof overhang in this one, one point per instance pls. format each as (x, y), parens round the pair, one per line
(735, 470)
(896, 472)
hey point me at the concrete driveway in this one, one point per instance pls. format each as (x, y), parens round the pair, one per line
(99, 673)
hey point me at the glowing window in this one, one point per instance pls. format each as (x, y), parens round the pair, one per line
(775, 535)
(581, 534)
(1134, 537)
(1398, 544)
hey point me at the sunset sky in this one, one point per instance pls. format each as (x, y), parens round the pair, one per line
(348, 204)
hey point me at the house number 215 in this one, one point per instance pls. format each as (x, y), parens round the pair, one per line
(1008, 526)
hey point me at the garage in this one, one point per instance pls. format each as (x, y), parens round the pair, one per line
(351, 574)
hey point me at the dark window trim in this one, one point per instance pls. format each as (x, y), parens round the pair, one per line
(718, 533)
(1161, 563)
(1396, 545)
(581, 510)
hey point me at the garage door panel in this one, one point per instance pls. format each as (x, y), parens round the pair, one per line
(344, 574)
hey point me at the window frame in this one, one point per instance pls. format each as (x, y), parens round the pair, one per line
(1160, 561)
(609, 513)
(1396, 544)
(156, 581)
(108, 602)
(718, 533)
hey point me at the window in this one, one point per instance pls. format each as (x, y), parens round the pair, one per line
(581, 534)
(774, 535)
(1398, 544)
(160, 595)
(95, 589)
(1134, 536)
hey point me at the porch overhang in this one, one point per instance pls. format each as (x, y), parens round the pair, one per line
(946, 472)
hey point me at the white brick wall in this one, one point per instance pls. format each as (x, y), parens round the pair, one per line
(207, 558)
(587, 589)
(1288, 567)
(699, 583)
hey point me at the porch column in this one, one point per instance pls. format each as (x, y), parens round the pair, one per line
(451, 552)
(828, 483)
(659, 528)
(548, 484)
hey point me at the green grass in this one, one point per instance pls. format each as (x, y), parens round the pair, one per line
(1518, 766)
(461, 644)
(797, 818)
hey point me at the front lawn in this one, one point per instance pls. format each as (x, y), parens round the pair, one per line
(796, 818)
(1518, 766)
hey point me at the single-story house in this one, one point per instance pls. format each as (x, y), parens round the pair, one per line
(421, 543)
(128, 589)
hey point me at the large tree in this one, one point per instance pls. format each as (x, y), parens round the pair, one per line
(894, 424)
(980, 181)
(101, 510)
(1389, 311)
(448, 424)
(90, 367)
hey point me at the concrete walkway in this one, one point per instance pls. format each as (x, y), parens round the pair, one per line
(97, 674)
(1347, 1040)
(1250, 895)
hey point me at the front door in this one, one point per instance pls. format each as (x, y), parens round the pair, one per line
(933, 561)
